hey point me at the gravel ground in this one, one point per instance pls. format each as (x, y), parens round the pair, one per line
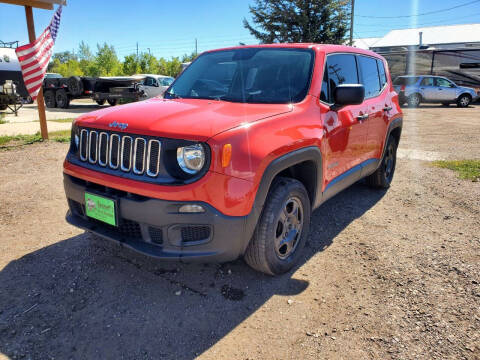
(385, 275)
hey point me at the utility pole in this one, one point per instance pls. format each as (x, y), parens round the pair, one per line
(196, 47)
(149, 51)
(352, 11)
(137, 49)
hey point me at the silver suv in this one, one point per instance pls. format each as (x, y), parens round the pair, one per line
(432, 89)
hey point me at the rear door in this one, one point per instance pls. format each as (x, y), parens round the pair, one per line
(346, 128)
(377, 103)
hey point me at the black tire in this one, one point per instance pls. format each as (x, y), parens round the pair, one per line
(62, 99)
(414, 100)
(100, 102)
(383, 176)
(75, 85)
(112, 102)
(3, 106)
(269, 251)
(464, 100)
(49, 97)
(446, 104)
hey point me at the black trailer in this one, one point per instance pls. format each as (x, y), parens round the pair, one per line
(59, 91)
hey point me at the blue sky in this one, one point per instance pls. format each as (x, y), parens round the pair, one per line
(169, 28)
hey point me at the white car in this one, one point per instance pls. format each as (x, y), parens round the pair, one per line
(155, 85)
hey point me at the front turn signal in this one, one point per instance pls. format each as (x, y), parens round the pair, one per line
(226, 155)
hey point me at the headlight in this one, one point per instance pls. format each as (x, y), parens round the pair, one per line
(191, 158)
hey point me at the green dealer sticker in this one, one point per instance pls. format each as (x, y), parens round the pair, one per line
(100, 208)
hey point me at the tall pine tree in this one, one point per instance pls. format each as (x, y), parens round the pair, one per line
(317, 21)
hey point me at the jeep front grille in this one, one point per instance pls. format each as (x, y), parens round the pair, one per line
(128, 152)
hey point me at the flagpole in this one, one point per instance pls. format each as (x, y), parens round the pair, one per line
(40, 103)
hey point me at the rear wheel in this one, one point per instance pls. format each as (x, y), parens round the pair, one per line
(100, 102)
(282, 229)
(62, 99)
(414, 100)
(383, 176)
(463, 101)
(49, 97)
(112, 102)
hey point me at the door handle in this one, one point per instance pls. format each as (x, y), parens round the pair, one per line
(387, 108)
(362, 117)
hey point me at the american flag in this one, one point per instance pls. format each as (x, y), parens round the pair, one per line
(34, 57)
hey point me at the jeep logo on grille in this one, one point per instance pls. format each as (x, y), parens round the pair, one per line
(121, 126)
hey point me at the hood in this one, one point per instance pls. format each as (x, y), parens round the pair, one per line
(468, 89)
(188, 119)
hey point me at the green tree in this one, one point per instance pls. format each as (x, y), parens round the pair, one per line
(106, 61)
(63, 56)
(148, 63)
(130, 65)
(86, 58)
(317, 21)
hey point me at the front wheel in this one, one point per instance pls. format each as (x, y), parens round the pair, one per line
(383, 176)
(463, 101)
(282, 229)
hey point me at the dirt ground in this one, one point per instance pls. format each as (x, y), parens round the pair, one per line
(385, 275)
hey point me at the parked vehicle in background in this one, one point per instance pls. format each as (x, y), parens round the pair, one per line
(53, 76)
(462, 66)
(415, 90)
(58, 91)
(155, 85)
(232, 161)
(10, 70)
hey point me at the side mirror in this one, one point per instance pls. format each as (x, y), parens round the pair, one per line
(348, 94)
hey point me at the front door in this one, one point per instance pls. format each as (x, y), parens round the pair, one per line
(445, 89)
(346, 128)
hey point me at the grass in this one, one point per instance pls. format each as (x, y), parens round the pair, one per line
(8, 141)
(467, 169)
(62, 120)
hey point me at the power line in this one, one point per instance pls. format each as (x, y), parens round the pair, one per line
(420, 14)
(439, 21)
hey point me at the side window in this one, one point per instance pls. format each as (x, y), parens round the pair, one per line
(370, 77)
(381, 71)
(428, 81)
(148, 81)
(341, 69)
(443, 82)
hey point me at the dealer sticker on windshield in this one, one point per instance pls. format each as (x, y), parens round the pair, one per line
(100, 208)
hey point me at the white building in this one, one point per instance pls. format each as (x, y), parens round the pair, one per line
(432, 37)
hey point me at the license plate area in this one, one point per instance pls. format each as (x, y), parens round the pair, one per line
(101, 208)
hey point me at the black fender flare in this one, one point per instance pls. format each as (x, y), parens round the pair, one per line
(395, 124)
(310, 153)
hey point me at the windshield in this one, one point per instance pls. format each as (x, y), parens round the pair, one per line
(250, 75)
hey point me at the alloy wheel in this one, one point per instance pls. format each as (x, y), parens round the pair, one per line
(289, 227)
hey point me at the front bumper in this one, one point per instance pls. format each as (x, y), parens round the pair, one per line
(156, 228)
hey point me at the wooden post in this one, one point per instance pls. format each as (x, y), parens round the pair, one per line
(40, 103)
